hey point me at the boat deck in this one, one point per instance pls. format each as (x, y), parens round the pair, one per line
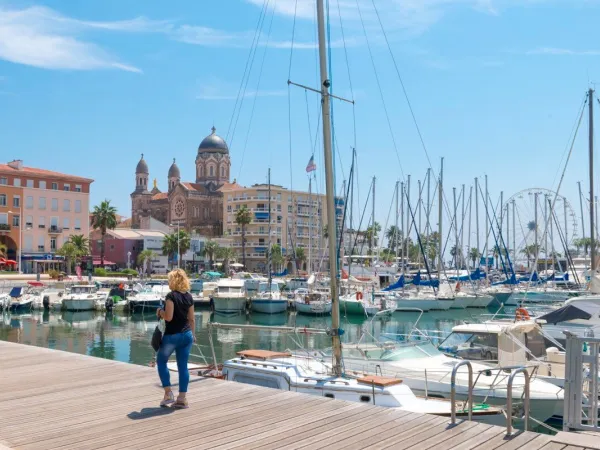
(51, 399)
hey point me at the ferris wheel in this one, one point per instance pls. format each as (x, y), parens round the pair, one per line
(525, 215)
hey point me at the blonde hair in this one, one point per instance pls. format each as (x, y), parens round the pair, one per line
(178, 281)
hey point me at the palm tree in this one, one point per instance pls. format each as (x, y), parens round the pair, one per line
(3, 250)
(81, 243)
(104, 217)
(474, 255)
(325, 231)
(226, 254)
(372, 231)
(243, 218)
(145, 258)
(531, 251)
(300, 257)
(394, 237)
(211, 248)
(177, 242)
(277, 257)
(70, 252)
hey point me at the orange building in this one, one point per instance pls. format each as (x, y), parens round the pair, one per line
(39, 211)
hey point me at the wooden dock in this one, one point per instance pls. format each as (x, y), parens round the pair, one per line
(53, 399)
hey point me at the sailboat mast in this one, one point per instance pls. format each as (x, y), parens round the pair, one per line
(420, 206)
(329, 190)
(487, 225)
(310, 225)
(440, 199)
(427, 224)
(477, 214)
(591, 151)
(269, 231)
(468, 254)
(373, 225)
(462, 228)
(403, 234)
(455, 231)
(535, 208)
(581, 209)
(396, 231)
(408, 217)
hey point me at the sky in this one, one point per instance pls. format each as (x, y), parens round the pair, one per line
(496, 88)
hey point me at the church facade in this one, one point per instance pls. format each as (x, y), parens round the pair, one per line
(195, 206)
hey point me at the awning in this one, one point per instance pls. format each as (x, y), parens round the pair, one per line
(568, 312)
(98, 262)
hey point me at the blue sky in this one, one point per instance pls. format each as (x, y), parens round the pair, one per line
(496, 86)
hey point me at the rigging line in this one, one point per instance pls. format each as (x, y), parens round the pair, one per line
(290, 113)
(239, 113)
(262, 64)
(256, 33)
(312, 150)
(380, 90)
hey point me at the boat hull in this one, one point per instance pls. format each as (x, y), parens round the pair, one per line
(408, 304)
(144, 305)
(352, 307)
(269, 306)
(79, 304)
(229, 305)
(443, 304)
(314, 308)
(18, 306)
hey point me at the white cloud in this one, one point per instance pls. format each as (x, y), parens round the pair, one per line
(41, 37)
(563, 52)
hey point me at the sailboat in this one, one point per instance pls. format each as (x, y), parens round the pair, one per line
(282, 370)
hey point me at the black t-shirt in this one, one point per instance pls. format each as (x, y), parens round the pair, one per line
(182, 303)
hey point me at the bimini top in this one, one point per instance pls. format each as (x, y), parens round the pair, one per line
(213, 144)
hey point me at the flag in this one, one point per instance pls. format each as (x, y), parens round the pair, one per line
(311, 166)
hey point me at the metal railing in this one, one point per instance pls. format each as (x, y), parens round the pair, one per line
(509, 416)
(453, 390)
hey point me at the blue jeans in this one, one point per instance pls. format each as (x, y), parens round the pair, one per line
(181, 344)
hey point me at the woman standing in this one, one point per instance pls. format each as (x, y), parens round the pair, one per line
(178, 337)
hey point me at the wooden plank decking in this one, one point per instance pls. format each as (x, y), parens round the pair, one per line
(53, 399)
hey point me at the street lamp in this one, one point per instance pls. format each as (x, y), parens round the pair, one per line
(129, 260)
(20, 238)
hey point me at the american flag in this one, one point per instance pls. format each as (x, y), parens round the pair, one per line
(311, 166)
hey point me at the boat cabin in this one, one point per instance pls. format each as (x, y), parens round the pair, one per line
(83, 289)
(230, 286)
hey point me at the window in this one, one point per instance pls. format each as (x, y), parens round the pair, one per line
(3, 181)
(365, 398)
(29, 183)
(53, 244)
(278, 208)
(78, 187)
(54, 204)
(54, 222)
(28, 243)
(29, 221)
(29, 202)
(67, 187)
(2, 199)
(42, 222)
(41, 243)
(4, 219)
(17, 182)
(16, 201)
(66, 205)
(78, 224)
(256, 381)
(211, 169)
(66, 223)
(55, 186)
(77, 206)
(42, 202)
(206, 213)
(329, 396)
(222, 171)
(290, 209)
(16, 221)
(42, 184)
(228, 208)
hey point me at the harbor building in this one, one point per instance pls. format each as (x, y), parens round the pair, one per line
(298, 220)
(39, 211)
(196, 205)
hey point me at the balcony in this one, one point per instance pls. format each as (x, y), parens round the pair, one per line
(55, 230)
(5, 228)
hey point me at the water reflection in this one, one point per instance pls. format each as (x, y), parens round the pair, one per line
(127, 337)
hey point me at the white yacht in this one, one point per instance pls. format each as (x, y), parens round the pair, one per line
(252, 281)
(22, 299)
(83, 297)
(269, 299)
(229, 296)
(144, 299)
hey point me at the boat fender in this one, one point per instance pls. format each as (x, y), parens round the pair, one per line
(522, 314)
(359, 296)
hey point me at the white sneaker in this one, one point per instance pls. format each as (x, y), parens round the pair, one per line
(167, 401)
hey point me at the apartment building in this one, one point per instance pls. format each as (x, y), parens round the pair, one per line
(297, 221)
(39, 211)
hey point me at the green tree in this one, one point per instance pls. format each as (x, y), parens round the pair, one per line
(70, 253)
(104, 217)
(394, 237)
(474, 256)
(300, 257)
(81, 243)
(244, 218)
(226, 255)
(325, 231)
(277, 257)
(176, 243)
(211, 249)
(145, 258)
(372, 231)
(3, 250)
(531, 251)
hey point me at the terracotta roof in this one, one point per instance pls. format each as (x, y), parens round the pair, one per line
(32, 171)
(230, 186)
(160, 196)
(126, 223)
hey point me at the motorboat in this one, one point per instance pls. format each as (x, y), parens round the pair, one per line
(143, 299)
(252, 281)
(313, 303)
(21, 299)
(579, 315)
(83, 297)
(229, 296)
(284, 371)
(269, 299)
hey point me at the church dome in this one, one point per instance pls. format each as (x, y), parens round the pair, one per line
(213, 144)
(142, 167)
(174, 170)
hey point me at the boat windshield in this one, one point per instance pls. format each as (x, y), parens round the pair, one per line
(410, 351)
(477, 346)
(264, 287)
(82, 289)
